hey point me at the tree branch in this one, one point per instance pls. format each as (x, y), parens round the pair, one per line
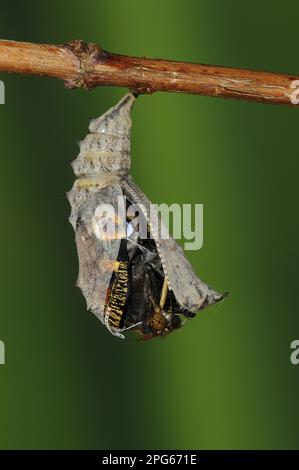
(87, 65)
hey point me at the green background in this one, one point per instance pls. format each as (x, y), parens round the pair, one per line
(225, 380)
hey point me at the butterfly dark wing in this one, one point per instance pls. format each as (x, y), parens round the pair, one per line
(190, 292)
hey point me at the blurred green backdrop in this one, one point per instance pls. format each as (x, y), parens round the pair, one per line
(226, 380)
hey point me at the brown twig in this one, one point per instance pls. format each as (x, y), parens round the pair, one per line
(87, 65)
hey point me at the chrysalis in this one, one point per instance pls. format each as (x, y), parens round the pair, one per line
(129, 280)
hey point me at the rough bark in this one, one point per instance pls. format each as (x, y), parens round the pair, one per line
(86, 65)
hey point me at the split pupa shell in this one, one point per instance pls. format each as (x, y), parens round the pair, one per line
(102, 169)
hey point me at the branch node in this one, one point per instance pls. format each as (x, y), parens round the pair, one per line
(87, 54)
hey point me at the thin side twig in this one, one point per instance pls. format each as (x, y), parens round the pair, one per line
(86, 65)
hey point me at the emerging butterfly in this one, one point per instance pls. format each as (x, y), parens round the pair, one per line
(131, 272)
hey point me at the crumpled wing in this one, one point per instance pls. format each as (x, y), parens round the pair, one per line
(96, 255)
(190, 292)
